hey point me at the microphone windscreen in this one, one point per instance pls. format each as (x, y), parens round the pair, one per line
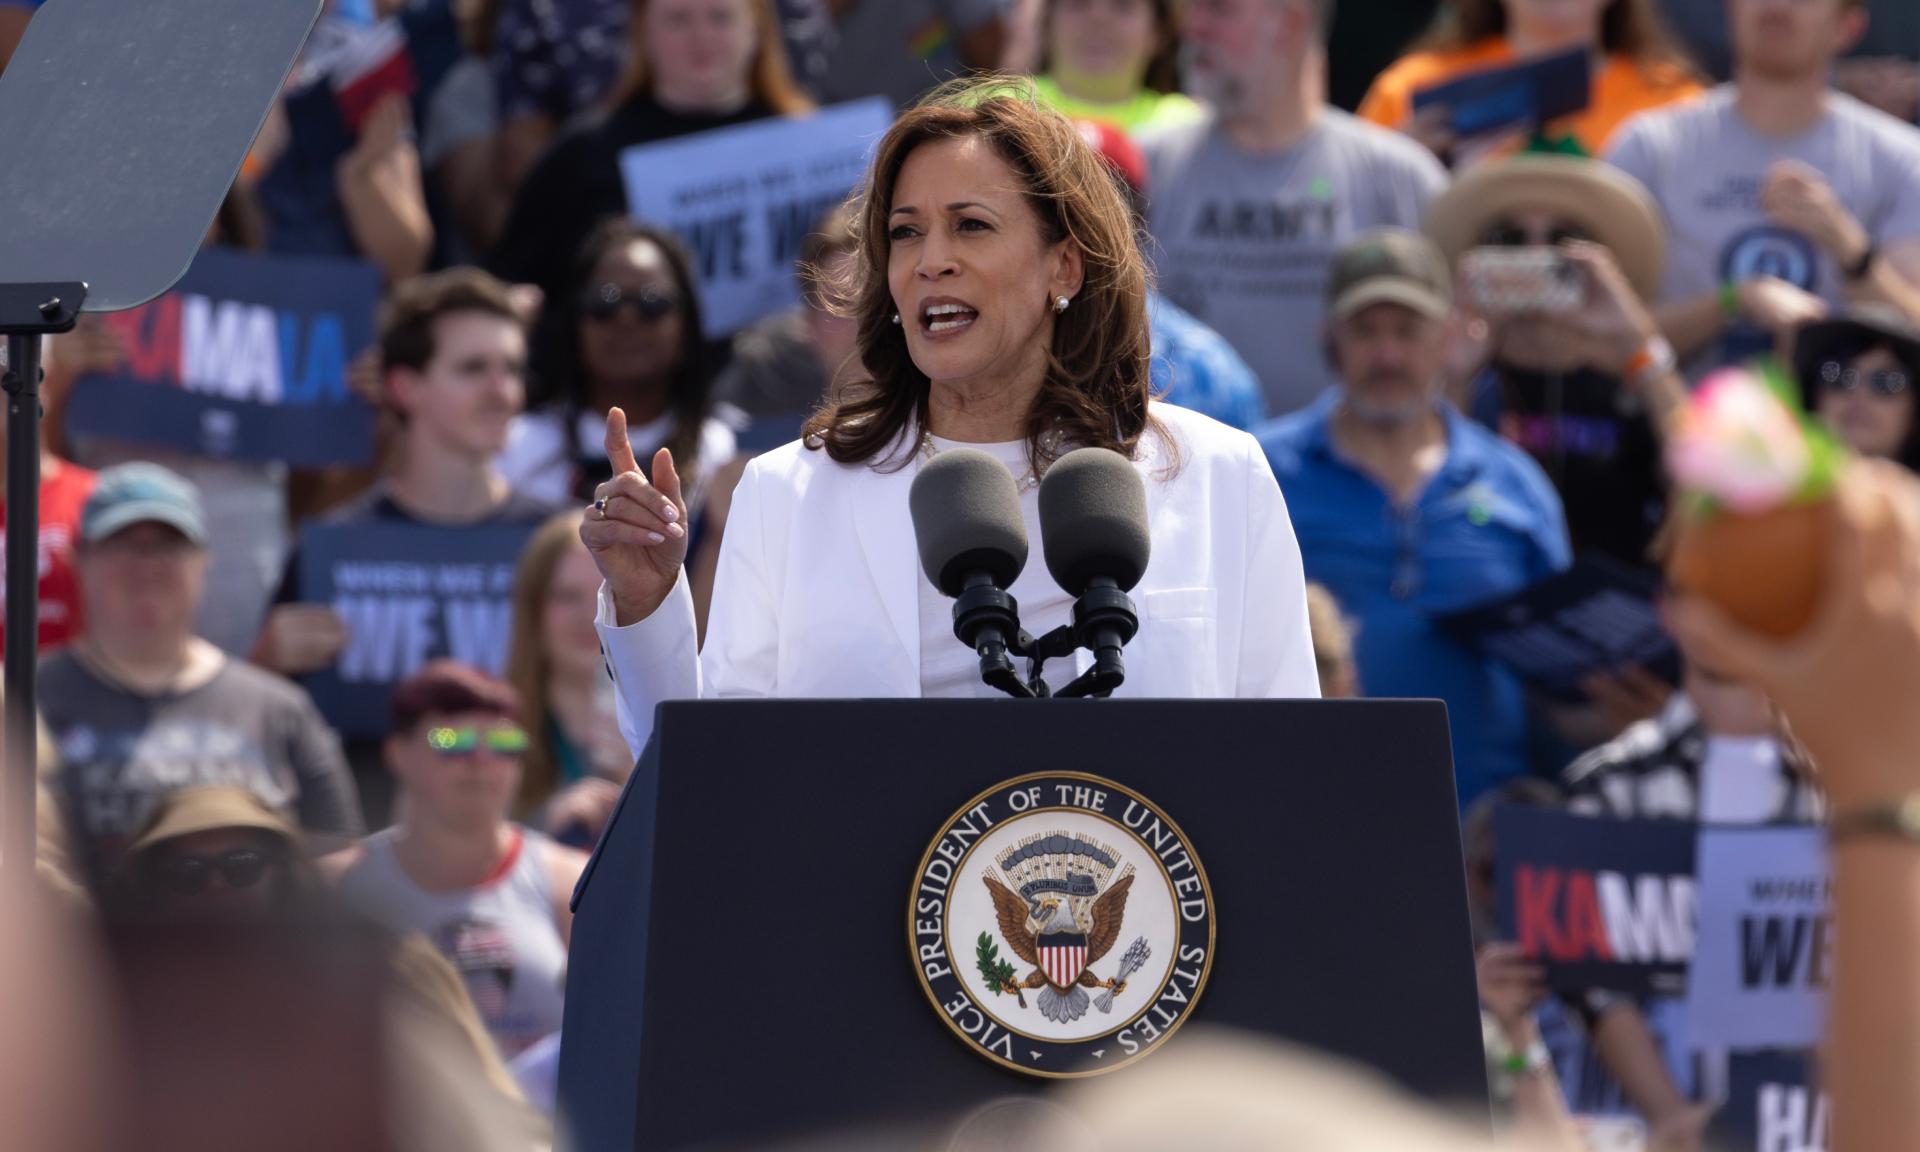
(966, 519)
(1093, 520)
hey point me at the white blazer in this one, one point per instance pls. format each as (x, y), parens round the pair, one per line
(817, 593)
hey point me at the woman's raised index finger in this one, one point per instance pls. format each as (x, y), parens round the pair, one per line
(619, 448)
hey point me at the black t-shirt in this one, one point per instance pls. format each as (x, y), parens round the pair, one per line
(578, 183)
(1594, 441)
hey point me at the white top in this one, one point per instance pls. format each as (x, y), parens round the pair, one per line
(1740, 781)
(502, 937)
(950, 668)
(539, 460)
(817, 593)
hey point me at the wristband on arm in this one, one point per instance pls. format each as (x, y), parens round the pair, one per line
(1730, 309)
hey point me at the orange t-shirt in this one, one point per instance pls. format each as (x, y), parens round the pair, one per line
(62, 496)
(1620, 89)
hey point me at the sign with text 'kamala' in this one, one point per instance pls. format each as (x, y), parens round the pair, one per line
(246, 359)
(407, 594)
(1599, 903)
(744, 199)
(1765, 954)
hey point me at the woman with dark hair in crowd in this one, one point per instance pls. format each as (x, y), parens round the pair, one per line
(1113, 60)
(693, 65)
(1858, 373)
(1002, 309)
(624, 332)
(1640, 65)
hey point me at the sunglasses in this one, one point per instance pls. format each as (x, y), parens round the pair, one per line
(190, 875)
(607, 300)
(1507, 234)
(1837, 377)
(460, 741)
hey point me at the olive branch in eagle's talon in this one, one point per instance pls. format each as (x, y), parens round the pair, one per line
(997, 973)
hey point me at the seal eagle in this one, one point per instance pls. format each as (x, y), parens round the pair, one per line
(1047, 935)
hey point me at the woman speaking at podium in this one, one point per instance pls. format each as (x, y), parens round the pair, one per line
(1000, 295)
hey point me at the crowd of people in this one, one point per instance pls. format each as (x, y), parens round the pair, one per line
(1742, 183)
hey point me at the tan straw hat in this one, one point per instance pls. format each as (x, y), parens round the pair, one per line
(203, 810)
(1611, 207)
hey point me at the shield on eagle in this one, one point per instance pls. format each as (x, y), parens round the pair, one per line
(1062, 956)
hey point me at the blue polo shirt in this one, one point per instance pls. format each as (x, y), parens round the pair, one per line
(1487, 524)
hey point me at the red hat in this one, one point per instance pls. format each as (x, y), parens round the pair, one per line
(1118, 150)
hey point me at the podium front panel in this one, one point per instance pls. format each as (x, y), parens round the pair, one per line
(740, 967)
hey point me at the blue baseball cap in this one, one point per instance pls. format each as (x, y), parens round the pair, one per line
(140, 493)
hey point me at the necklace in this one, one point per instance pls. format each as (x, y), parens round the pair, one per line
(1025, 484)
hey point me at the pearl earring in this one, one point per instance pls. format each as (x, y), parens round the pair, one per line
(896, 317)
(1060, 303)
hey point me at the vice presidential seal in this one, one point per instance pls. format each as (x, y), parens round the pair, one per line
(1061, 925)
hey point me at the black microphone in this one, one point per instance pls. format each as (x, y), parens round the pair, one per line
(973, 544)
(1093, 522)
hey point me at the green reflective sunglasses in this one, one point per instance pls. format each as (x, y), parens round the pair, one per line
(459, 741)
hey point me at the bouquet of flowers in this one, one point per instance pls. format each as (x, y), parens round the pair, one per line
(1754, 483)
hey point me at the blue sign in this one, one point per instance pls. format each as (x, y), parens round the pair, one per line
(1773, 1104)
(1522, 96)
(1766, 936)
(1599, 903)
(745, 198)
(1595, 617)
(408, 594)
(245, 359)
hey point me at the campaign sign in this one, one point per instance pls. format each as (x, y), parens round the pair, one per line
(1595, 617)
(1773, 1104)
(244, 359)
(1765, 954)
(1513, 97)
(1599, 903)
(745, 198)
(408, 594)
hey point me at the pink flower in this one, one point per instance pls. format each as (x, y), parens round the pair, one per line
(1739, 443)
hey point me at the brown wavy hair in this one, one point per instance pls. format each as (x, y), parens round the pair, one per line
(769, 78)
(1096, 389)
(1630, 28)
(528, 668)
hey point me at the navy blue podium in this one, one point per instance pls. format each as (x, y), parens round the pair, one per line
(739, 968)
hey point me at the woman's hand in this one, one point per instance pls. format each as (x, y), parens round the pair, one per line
(636, 529)
(1846, 681)
(1511, 987)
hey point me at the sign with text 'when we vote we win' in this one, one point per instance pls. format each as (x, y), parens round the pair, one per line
(244, 359)
(743, 200)
(407, 594)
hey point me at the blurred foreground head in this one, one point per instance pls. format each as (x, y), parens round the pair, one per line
(1216, 1092)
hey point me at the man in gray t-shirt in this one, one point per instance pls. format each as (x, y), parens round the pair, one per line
(1782, 199)
(1250, 205)
(140, 707)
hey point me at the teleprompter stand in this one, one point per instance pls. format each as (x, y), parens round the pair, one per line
(122, 125)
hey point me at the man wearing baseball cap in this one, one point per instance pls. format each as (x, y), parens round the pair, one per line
(1405, 508)
(141, 707)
